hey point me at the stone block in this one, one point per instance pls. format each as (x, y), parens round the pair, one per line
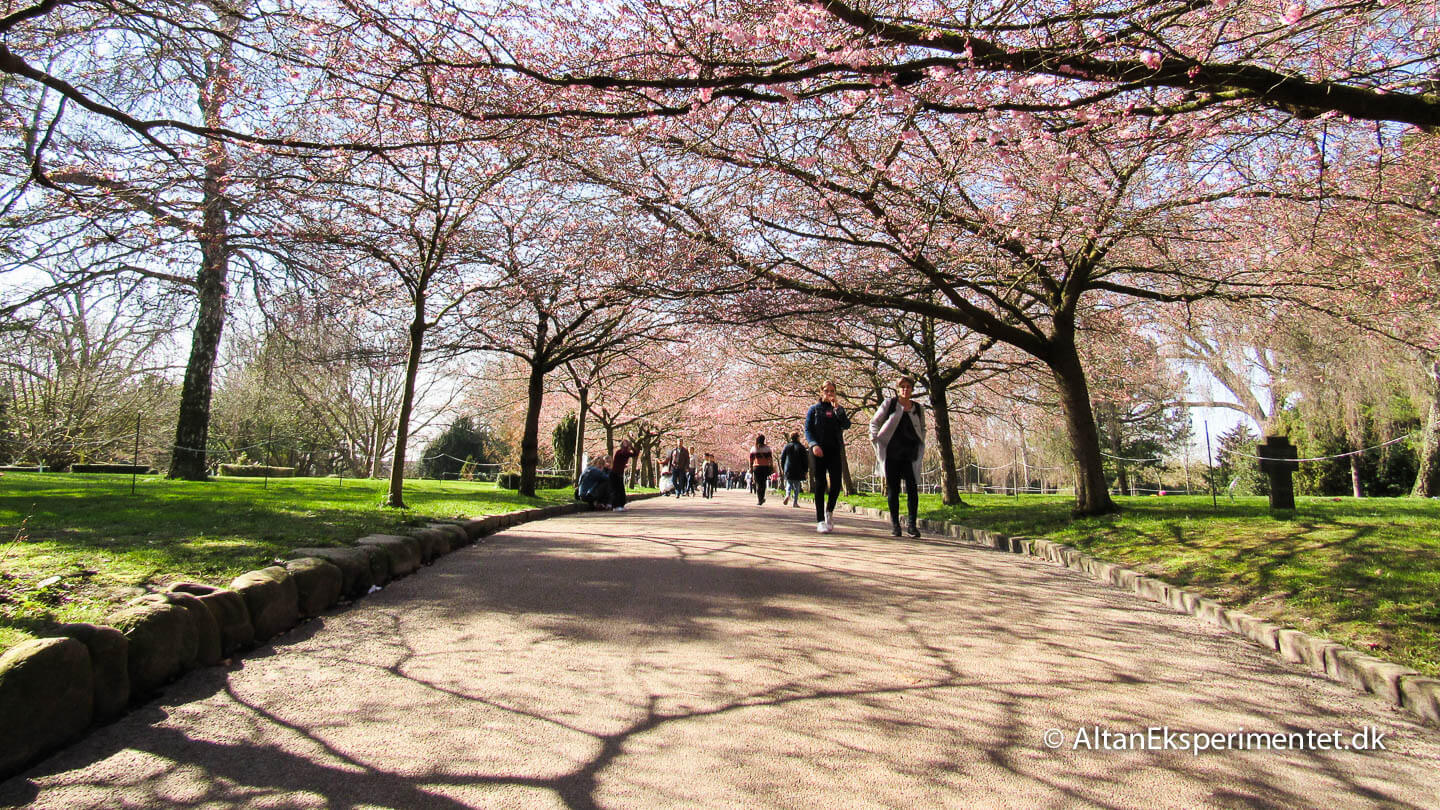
(1302, 648)
(190, 634)
(458, 536)
(1151, 588)
(474, 528)
(159, 634)
(227, 608)
(1182, 601)
(317, 584)
(1421, 695)
(1261, 632)
(354, 566)
(46, 698)
(109, 666)
(433, 544)
(1366, 672)
(1235, 620)
(207, 629)
(272, 599)
(405, 552)
(1208, 610)
(378, 562)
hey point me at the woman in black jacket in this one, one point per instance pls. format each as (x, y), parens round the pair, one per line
(825, 426)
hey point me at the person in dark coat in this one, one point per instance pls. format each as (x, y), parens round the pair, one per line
(825, 426)
(795, 466)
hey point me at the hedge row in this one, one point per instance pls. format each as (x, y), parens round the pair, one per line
(256, 471)
(511, 480)
(53, 689)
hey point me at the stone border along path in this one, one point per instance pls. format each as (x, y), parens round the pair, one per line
(52, 690)
(1399, 685)
(715, 653)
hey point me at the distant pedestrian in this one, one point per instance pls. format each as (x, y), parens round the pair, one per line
(710, 471)
(825, 426)
(898, 433)
(617, 474)
(795, 464)
(679, 461)
(762, 463)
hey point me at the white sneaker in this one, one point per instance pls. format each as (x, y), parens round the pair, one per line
(829, 522)
(618, 509)
(822, 527)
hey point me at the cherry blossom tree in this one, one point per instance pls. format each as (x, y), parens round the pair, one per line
(553, 264)
(1016, 238)
(401, 229)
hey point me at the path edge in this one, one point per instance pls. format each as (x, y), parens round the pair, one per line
(1398, 685)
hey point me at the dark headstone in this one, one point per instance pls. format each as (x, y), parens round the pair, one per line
(1277, 461)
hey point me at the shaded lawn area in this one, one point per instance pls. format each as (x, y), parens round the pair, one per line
(104, 545)
(1364, 572)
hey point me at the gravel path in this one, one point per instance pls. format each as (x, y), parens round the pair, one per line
(719, 654)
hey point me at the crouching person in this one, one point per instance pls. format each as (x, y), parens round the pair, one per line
(594, 487)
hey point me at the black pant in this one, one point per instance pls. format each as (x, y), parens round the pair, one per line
(617, 489)
(826, 465)
(761, 476)
(895, 472)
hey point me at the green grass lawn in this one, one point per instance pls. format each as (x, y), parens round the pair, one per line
(72, 547)
(1364, 572)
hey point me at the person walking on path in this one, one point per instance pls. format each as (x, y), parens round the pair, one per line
(679, 461)
(762, 463)
(825, 426)
(795, 464)
(617, 474)
(711, 473)
(898, 433)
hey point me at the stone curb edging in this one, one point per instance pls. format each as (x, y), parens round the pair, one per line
(1399, 685)
(52, 690)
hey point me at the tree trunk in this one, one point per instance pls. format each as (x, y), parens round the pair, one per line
(580, 434)
(530, 439)
(1092, 497)
(1427, 478)
(396, 497)
(377, 452)
(192, 429)
(1122, 477)
(940, 406)
(1357, 488)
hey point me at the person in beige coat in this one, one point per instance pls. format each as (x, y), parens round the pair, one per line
(898, 433)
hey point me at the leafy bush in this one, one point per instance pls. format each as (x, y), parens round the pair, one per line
(462, 445)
